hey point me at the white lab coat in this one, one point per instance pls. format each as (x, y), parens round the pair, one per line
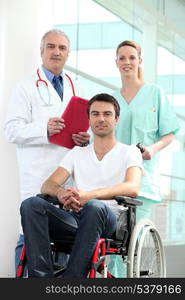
(26, 125)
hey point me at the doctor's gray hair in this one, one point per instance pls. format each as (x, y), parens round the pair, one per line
(55, 31)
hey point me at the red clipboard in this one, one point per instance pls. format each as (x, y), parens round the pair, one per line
(76, 120)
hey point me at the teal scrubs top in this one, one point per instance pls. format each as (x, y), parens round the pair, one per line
(144, 120)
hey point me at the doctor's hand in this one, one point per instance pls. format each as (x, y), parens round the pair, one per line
(81, 138)
(148, 153)
(55, 125)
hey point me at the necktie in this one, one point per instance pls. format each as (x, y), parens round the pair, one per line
(58, 85)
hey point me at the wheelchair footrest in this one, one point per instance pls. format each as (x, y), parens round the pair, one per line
(59, 272)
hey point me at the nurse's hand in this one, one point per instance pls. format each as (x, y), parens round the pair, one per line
(81, 138)
(55, 125)
(148, 153)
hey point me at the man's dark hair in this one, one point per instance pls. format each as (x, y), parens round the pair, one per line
(104, 98)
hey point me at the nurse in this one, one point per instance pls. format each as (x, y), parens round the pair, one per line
(34, 115)
(146, 118)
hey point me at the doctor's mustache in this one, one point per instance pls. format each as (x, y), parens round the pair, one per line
(56, 57)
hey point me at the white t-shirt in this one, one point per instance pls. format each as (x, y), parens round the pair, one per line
(89, 173)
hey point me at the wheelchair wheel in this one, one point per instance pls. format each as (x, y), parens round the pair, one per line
(146, 256)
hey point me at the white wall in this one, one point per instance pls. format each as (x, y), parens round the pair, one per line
(22, 24)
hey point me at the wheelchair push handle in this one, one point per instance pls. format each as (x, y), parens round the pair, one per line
(141, 147)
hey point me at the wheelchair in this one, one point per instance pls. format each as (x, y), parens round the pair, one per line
(139, 245)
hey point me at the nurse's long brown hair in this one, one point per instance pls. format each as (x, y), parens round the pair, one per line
(138, 48)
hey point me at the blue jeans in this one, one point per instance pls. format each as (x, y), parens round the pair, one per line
(62, 257)
(43, 222)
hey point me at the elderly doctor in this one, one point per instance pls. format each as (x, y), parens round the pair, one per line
(34, 115)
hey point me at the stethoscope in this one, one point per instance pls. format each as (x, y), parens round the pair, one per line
(47, 97)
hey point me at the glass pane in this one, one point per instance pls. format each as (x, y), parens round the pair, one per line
(94, 33)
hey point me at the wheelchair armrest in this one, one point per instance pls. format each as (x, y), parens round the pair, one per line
(50, 199)
(129, 201)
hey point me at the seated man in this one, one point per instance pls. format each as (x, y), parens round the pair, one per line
(100, 171)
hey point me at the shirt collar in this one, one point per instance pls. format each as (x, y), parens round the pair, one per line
(50, 75)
